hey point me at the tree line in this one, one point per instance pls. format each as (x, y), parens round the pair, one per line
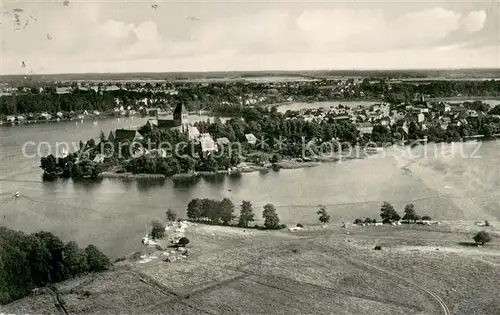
(227, 97)
(35, 260)
(389, 215)
(222, 212)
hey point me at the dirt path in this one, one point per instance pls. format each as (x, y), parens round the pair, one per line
(436, 297)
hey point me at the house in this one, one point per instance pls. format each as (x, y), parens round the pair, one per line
(222, 141)
(471, 113)
(365, 128)
(99, 158)
(341, 118)
(123, 135)
(207, 143)
(420, 117)
(193, 132)
(20, 118)
(63, 90)
(458, 109)
(45, 116)
(251, 139)
(59, 115)
(11, 118)
(160, 152)
(405, 127)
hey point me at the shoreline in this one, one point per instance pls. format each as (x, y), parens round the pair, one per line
(55, 121)
(290, 164)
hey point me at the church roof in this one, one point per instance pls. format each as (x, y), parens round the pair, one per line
(180, 109)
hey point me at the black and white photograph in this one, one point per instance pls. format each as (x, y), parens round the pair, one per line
(250, 157)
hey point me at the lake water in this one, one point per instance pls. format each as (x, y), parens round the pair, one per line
(113, 213)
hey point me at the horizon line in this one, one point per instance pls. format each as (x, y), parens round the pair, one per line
(254, 71)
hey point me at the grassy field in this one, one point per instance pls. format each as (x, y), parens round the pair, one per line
(420, 270)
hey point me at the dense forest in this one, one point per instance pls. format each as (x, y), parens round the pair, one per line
(35, 260)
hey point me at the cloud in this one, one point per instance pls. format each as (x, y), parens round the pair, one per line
(88, 35)
(474, 21)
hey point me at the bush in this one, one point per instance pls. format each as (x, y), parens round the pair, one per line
(183, 241)
(358, 221)
(158, 230)
(378, 247)
(300, 225)
(171, 215)
(120, 259)
(486, 223)
(136, 255)
(482, 237)
(426, 218)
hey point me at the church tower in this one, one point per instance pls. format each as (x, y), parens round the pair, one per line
(181, 117)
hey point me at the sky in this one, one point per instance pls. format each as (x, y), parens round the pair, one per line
(91, 36)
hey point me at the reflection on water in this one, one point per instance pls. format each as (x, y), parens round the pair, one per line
(215, 178)
(186, 182)
(147, 184)
(127, 183)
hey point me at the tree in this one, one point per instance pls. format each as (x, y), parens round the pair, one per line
(226, 208)
(358, 221)
(482, 237)
(426, 218)
(194, 209)
(158, 230)
(55, 248)
(388, 213)
(171, 215)
(74, 260)
(211, 210)
(324, 217)
(246, 214)
(96, 260)
(410, 214)
(271, 219)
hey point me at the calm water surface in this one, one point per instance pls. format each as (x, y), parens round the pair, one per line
(113, 213)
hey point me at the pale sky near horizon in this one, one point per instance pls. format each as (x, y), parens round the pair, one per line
(132, 36)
